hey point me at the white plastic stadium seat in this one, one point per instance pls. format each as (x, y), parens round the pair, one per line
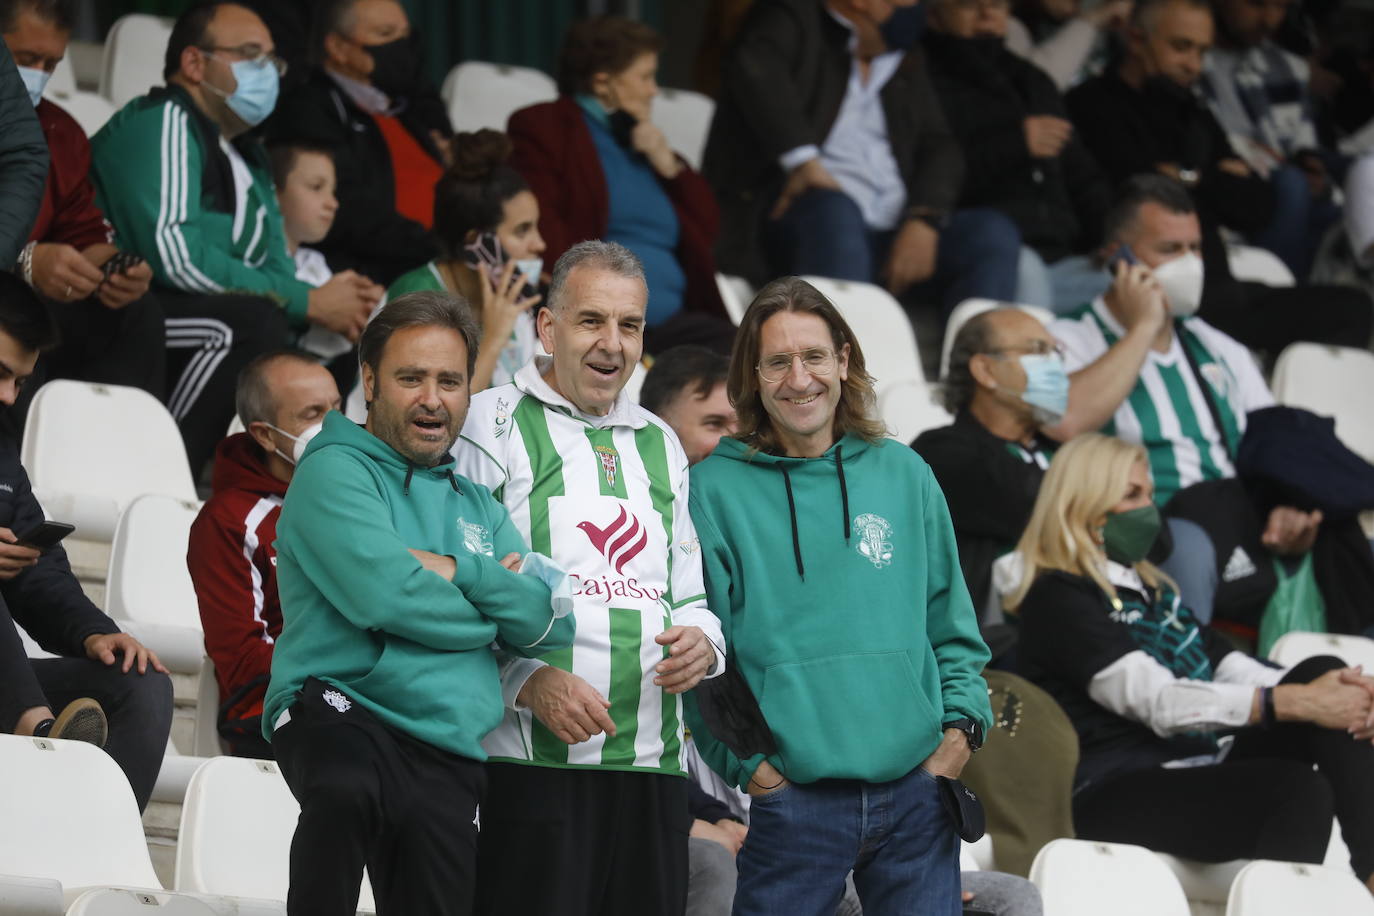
(70, 816)
(684, 117)
(480, 94)
(62, 83)
(736, 293)
(889, 345)
(108, 901)
(1292, 648)
(1081, 878)
(236, 828)
(134, 54)
(30, 896)
(90, 450)
(1333, 382)
(89, 109)
(1283, 888)
(970, 307)
(1258, 265)
(148, 587)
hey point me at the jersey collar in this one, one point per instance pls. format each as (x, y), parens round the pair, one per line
(624, 412)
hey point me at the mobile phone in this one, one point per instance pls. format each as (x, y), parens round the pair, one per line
(120, 262)
(1124, 253)
(487, 249)
(45, 534)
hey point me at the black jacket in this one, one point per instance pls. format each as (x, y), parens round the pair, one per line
(23, 162)
(783, 81)
(987, 93)
(45, 599)
(368, 235)
(990, 493)
(1130, 131)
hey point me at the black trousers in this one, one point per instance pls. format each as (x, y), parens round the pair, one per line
(98, 344)
(1269, 318)
(209, 339)
(582, 843)
(1263, 802)
(137, 706)
(373, 796)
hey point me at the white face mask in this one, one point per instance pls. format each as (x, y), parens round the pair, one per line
(531, 268)
(301, 441)
(1181, 279)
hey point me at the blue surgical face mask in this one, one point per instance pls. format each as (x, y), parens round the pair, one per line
(256, 94)
(1047, 386)
(35, 81)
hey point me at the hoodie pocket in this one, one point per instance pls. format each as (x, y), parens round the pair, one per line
(859, 716)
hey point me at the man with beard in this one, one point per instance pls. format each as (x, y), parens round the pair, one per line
(587, 771)
(383, 679)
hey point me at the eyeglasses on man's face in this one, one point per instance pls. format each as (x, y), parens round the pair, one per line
(253, 54)
(816, 360)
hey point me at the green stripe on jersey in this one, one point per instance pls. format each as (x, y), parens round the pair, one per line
(546, 469)
(671, 745)
(610, 470)
(1230, 428)
(650, 443)
(1188, 423)
(626, 678)
(1163, 461)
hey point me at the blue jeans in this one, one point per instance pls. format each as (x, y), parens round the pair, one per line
(823, 233)
(804, 839)
(1061, 287)
(1299, 223)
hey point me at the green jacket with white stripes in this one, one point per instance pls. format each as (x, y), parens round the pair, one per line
(166, 179)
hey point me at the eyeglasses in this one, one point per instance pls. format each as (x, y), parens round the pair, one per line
(817, 361)
(1034, 348)
(253, 54)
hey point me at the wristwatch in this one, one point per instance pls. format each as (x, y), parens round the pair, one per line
(972, 729)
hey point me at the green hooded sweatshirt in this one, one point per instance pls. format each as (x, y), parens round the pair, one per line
(838, 588)
(360, 612)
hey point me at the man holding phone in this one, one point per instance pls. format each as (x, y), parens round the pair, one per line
(101, 674)
(111, 330)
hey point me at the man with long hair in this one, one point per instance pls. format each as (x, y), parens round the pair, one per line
(853, 629)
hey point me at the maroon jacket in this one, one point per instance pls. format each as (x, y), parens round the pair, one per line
(555, 154)
(68, 213)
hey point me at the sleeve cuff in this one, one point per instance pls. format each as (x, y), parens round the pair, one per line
(467, 572)
(801, 154)
(513, 677)
(297, 305)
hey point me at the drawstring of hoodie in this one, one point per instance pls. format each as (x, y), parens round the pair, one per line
(410, 472)
(792, 513)
(844, 490)
(792, 507)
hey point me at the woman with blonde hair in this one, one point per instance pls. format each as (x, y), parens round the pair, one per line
(1187, 746)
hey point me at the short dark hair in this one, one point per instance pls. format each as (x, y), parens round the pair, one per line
(282, 155)
(332, 17)
(606, 44)
(61, 13)
(190, 31)
(472, 193)
(24, 317)
(958, 386)
(1139, 190)
(678, 369)
(254, 401)
(419, 309)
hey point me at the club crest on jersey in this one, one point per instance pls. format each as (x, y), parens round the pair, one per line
(1216, 376)
(610, 462)
(875, 539)
(475, 537)
(620, 541)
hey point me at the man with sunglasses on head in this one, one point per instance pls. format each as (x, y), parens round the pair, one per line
(191, 192)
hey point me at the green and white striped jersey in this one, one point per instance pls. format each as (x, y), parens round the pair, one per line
(1166, 411)
(606, 498)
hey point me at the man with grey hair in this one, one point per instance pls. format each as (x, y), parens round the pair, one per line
(384, 681)
(282, 398)
(587, 773)
(1005, 380)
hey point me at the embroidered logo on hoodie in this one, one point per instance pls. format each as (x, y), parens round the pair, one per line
(875, 533)
(337, 700)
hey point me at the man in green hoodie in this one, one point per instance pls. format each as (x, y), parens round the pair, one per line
(852, 626)
(384, 681)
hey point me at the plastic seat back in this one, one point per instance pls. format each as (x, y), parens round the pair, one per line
(1292, 648)
(1333, 382)
(1265, 888)
(1082, 878)
(481, 94)
(971, 307)
(684, 117)
(69, 815)
(148, 581)
(134, 52)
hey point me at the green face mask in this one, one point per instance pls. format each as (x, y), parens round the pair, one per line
(1128, 536)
